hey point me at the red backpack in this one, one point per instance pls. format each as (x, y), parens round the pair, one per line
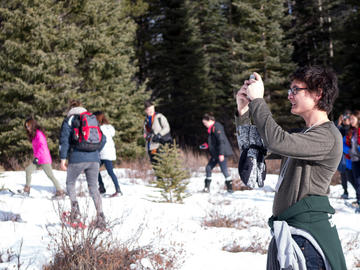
(87, 135)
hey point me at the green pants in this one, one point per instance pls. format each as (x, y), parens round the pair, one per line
(47, 169)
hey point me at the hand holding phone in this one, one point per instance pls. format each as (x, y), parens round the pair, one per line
(256, 87)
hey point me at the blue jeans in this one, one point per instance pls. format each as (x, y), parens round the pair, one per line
(313, 259)
(109, 167)
(212, 163)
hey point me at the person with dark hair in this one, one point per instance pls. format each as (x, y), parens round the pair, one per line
(219, 148)
(79, 161)
(108, 153)
(304, 234)
(42, 156)
(344, 168)
(156, 130)
(352, 151)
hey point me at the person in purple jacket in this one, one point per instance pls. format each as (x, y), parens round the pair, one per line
(42, 157)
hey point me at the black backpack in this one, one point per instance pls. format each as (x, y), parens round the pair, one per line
(87, 135)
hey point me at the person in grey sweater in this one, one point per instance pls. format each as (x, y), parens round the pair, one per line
(309, 158)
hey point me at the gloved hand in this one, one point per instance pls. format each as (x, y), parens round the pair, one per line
(35, 161)
(252, 167)
(148, 136)
(204, 146)
(156, 138)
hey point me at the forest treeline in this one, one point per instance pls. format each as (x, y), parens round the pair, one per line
(190, 57)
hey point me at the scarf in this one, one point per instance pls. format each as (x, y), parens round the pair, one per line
(149, 123)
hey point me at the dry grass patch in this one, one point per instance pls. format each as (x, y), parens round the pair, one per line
(18, 164)
(240, 220)
(257, 245)
(273, 166)
(193, 161)
(93, 248)
(353, 244)
(139, 169)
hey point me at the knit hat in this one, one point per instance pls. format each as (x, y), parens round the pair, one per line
(251, 167)
(76, 110)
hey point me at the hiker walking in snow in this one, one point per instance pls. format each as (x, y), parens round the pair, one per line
(302, 214)
(219, 148)
(352, 153)
(156, 130)
(42, 157)
(108, 153)
(81, 156)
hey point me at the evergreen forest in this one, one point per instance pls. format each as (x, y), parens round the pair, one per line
(189, 57)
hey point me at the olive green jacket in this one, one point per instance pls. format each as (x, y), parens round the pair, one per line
(314, 215)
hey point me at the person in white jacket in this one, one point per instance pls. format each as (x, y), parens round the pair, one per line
(108, 153)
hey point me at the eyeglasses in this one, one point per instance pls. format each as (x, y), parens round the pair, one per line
(295, 90)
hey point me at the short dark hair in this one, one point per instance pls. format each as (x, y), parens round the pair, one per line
(100, 116)
(148, 103)
(318, 78)
(208, 116)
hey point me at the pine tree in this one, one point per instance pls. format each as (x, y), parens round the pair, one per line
(260, 44)
(312, 32)
(173, 64)
(347, 58)
(171, 177)
(54, 51)
(211, 26)
(37, 72)
(108, 68)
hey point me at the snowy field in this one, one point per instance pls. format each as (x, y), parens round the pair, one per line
(178, 228)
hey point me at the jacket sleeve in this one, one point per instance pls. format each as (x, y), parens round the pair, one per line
(64, 141)
(165, 127)
(111, 131)
(103, 142)
(308, 146)
(41, 144)
(220, 137)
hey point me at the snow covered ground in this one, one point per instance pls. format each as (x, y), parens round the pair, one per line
(176, 227)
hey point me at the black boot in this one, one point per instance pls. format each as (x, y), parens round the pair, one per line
(229, 186)
(207, 185)
(102, 189)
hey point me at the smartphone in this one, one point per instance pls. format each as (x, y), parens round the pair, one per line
(252, 76)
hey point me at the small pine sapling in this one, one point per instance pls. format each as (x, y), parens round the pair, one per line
(171, 177)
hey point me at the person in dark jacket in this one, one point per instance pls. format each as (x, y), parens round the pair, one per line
(78, 162)
(219, 148)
